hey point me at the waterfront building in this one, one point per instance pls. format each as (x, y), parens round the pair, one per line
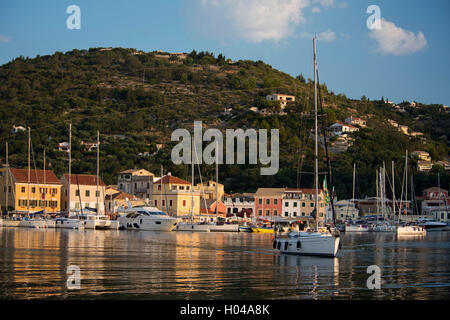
(138, 182)
(299, 203)
(346, 210)
(207, 189)
(116, 200)
(268, 203)
(208, 207)
(240, 204)
(174, 196)
(421, 155)
(83, 192)
(436, 203)
(43, 192)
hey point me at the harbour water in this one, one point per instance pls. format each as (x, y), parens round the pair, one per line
(177, 265)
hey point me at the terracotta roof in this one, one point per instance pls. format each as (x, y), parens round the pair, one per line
(84, 179)
(172, 180)
(122, 196)
(305, 191)
(269, 192)
(129, 171)
(36, 176)
(434, 189)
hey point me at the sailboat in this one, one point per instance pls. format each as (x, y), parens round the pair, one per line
(62, 222)
(191, 225)
(315, 243)
(411, 229)
(385, 225)
(220, 227)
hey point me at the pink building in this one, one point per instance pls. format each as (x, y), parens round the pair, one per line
(269, 203)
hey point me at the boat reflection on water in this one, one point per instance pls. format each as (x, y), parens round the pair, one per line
(319, 275)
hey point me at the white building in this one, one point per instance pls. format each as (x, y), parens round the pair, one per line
(239, 203)
(283, 98)
(339, 128)
(345, 210)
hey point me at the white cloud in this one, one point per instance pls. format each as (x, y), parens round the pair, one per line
(397, 41)
(325, 3)
(325, 36)
(256, 20)
(4, 39)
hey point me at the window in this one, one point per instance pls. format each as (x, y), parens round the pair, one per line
(54, 191)
(311, 205)
(267, 201)
(97, 193)
(181, 187)
(286, 204)
(275, 212)
(163, 203)
(33, 190)
(286, 214)
(259, 200)
(184, 203)
(295, 204)
(267, 213)
(23, 189)
(170, 202)
(188, 188)
(294, 214)
(259, 212)
(275, 201)
(77, 193)
(159, 187)
(135, 186)
(87, 193)
(148, 185)
(156, 203)
(303, 204)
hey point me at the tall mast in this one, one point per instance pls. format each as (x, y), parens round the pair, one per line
(354, 178)
(45, 187)
(28, 187)
(376, 186)
(98, 163)
(406, 181)
(393, 190)
(217, 179)
(192, 181)
(316, 139)
(70, 167)
(160, 184)
(7, 179)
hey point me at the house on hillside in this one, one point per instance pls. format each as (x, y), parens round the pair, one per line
(283, 98)
(356, 121)
(339, 128)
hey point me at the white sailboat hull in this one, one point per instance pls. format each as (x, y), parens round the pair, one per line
(69, 224)
(193, 227)
(411, 230)
(358, 228)
(384, 228)
(316, 245)
(38, 224)
(224, 228)
(151, 224)
(112, 225)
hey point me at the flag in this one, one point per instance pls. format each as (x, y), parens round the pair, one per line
(325, 191)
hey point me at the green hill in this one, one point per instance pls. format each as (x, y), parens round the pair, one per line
(136, 99)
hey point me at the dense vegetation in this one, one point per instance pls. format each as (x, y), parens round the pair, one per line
(137, 99)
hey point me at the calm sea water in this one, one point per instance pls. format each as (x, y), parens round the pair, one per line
(176, 265)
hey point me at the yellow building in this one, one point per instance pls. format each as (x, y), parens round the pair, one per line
(83, 192)
(174, 196)
(207, 190)
(43, 192)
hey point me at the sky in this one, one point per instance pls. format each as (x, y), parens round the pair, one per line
(403, 56)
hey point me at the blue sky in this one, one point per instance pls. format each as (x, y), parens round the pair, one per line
(407, 59)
